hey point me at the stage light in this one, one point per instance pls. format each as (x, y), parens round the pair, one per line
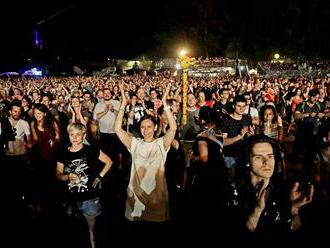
(32, 72)
(182, 52)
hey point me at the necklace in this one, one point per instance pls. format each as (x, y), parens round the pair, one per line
(76, 149)
(13, 122)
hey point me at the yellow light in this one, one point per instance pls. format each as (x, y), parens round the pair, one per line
(276, 56)
(182, 53)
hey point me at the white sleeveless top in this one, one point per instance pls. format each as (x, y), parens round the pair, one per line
(147, 195)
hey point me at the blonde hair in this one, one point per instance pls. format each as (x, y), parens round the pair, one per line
(76, 126)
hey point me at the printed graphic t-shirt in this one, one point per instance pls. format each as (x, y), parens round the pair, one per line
(84, 163)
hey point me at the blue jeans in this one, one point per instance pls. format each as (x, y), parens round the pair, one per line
(91, 207)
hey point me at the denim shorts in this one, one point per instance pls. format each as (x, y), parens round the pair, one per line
(91, 207)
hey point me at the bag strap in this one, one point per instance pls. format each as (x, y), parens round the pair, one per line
(303, 106)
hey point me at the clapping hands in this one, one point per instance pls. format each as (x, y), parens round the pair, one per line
(298, 198)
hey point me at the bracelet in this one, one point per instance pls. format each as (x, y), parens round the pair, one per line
(166, 108)
(122, 109)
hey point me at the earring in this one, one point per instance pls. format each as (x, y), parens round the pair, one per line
(247, 165)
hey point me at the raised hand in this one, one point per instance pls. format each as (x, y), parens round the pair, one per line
(71, 109)
(298, 198)
(121, 84)
(122, 91)
(79, 109)
(167, 90)
(250, 131)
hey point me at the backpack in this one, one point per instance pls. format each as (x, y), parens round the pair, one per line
(304, 104)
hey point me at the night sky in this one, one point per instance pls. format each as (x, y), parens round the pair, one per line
(123, 29)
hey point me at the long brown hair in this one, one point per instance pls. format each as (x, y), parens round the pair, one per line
(48, 121)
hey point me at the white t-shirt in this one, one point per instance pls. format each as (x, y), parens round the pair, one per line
(147, 195)
(17, 147)
(253, 112)
(106, 122)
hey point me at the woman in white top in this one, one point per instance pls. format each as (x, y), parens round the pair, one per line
(147, 195)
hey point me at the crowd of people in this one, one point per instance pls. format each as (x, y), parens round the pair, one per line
(100, 157)
(277, 66)
(215, 62)
(295, 65)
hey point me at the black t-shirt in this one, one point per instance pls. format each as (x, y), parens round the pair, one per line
(4, 107)
(149, 104)
(208, 93)
(213, 173)
(138, 114)
(233, 127)
(85, 164)
(208, 181)
(26, 116)
(227, 107)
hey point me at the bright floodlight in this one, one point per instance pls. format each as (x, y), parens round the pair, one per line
(276, 56)
(182, 53)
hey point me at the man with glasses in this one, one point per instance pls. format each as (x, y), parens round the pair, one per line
(309, 116)
(88, 104)
(157, 103)
(223, 106)
(250, 110)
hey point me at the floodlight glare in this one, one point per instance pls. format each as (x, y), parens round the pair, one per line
(182, 53)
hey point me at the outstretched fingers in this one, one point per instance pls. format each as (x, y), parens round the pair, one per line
(295, 187)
